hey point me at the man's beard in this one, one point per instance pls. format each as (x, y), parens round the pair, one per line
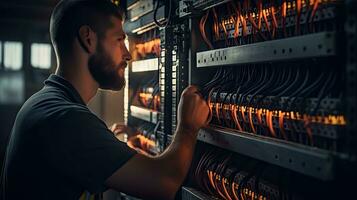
(104, 70)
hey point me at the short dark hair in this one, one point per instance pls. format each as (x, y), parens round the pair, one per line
(69, 15)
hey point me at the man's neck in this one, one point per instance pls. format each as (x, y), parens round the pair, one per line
(82, 82)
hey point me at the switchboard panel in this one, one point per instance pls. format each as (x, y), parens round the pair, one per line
(280, 80)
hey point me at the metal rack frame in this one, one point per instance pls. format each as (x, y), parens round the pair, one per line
(165, 81)
(299, 158)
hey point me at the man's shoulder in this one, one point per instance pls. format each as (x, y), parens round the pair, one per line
(49, 106)
(52, 100)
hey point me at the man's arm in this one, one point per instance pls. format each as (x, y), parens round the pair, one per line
(160, 177)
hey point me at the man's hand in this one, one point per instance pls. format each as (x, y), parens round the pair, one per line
(119, 128)
(134, 140)
(193, 110)
(161, 176)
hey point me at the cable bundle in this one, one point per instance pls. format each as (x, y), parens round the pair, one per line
(148, 45)
(286, 102)
(148, 95)
(247, 21)
(218, 175)
(146, 139)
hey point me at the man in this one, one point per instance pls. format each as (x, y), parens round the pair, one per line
(58, 148)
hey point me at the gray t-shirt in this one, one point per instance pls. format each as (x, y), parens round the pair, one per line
(58, 148)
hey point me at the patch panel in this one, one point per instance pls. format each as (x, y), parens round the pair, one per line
(300, 47)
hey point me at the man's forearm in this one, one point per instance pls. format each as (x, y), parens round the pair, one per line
(177, 158)
(180, 152)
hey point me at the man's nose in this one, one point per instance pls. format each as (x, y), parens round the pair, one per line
(127, 55)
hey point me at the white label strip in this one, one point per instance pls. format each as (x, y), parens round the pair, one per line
(145, 65)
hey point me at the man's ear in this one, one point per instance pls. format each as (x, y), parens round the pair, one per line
(87, 38)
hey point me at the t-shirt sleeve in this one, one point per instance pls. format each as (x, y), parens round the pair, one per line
(83, 149)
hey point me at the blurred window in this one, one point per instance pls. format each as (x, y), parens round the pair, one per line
(41, 55)
(12, 55)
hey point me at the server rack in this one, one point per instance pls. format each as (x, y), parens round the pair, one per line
(316, 168)
(142, 95)
(299, 146)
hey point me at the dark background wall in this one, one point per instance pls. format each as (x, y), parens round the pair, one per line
(27, 22)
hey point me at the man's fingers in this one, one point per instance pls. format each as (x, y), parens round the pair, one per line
(117, 131)
(190, 89)
(113, 127)
(118, 128)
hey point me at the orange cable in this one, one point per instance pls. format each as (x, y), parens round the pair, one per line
(269, 116)
(225, 190)
(217, 112)
(236, 24)
(215, 24)
(210, 174)
(266, 22)
(225, 32)
(234, 192)
(260, 16)
(275, 23)
(259, 116)
(243, 21)
(242, 110)
(281, 124)
(315, 6)
(217, 187)
(251, 120)
(308, 129)
(224, 112)
(283, 14)
(235, 117)
(203, 30)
